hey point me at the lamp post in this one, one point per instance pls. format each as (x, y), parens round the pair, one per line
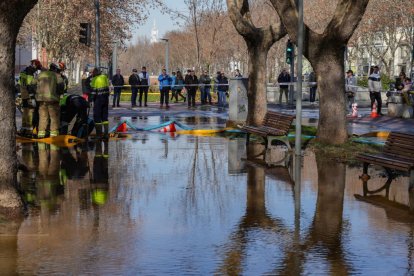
(97, 36)
(166, 53)
(298, 140)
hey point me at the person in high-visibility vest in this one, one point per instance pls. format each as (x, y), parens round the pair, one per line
(49, 88)
(100, 98)
(27, 93)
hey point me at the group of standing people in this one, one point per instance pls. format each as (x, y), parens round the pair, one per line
(284, 79)
(190, 84)
(139, 82)
(42, 91)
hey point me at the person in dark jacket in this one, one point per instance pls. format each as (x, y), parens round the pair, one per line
(72, 106)
(118, 82)
(284, 77)
(145, 83)
(222, 88)
(313, 87)
(205, 82)
(178, 85)
(191, 84)
(134, 81)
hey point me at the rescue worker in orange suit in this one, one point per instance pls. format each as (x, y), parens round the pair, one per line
(27, 93)
(49, 88)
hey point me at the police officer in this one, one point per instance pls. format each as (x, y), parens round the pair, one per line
(27, 92)
(100, 98)
(49, 88)
(71, 106)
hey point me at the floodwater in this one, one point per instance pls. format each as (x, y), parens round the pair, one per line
(157, 204)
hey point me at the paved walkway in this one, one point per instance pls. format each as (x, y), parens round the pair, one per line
(361, 125)
(213, 116)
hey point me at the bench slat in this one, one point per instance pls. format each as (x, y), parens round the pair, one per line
(273, 124)
(398, 153)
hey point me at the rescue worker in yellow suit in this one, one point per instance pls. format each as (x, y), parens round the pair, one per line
(27, 85)
(49, 88)
(100, 98)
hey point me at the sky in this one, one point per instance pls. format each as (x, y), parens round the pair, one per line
(164, 22)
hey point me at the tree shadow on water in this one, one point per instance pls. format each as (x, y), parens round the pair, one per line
(324, 235)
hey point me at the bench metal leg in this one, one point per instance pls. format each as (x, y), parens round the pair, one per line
(283, 139)
(365, 170)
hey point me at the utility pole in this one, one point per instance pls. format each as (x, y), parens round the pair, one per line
(292, 78)
(167, 46)
(97, 36)
(298, 140)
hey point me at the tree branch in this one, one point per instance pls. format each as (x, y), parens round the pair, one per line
(239, 14)
(347, 16)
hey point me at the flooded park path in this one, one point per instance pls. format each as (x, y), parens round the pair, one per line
(159, 204)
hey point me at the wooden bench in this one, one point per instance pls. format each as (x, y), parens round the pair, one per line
(398, 155)
(274, 124)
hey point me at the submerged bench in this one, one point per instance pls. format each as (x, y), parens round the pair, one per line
(274, 124)
(398, 155)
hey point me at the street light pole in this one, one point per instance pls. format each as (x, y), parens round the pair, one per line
(167, 46)
(298, 140)
(97, 36)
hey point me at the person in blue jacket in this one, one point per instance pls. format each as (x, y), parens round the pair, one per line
(165, 85)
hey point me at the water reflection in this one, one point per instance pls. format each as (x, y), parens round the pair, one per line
(197, 206)
(324, 235)
(256, 217)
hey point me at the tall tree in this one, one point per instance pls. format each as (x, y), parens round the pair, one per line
(258, 41)
(12, 14)
(325, 51)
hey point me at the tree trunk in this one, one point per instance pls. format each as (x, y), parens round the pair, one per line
(330, 75)
(257, 83)
(12, 14)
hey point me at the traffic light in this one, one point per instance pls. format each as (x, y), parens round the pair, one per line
(85, 34)
(289, 52)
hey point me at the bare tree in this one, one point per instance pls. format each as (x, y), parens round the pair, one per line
(12, 14)
(258, 41)
(325, 51)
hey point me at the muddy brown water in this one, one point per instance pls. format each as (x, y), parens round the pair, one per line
(156, 204)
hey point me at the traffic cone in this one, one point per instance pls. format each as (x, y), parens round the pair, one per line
(169, 128)
(122, 128)
(374, 113)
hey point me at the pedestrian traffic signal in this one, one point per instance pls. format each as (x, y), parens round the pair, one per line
(289, 52)
(85, 34)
